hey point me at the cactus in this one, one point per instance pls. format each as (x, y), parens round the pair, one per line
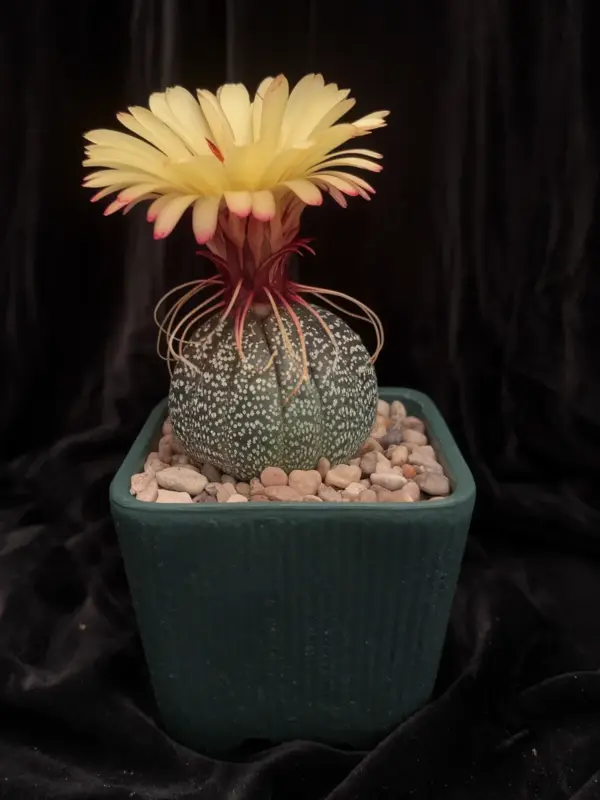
(242, 417)
(259, 375)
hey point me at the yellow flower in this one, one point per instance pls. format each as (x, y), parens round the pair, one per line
(228, 152)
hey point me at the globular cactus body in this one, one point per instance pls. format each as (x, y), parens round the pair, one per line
(243, 414)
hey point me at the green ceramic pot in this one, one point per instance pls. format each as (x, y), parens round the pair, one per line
(293, 621)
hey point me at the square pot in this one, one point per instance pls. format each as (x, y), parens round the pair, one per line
(293, 620)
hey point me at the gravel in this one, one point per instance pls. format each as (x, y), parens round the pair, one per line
(396, 464)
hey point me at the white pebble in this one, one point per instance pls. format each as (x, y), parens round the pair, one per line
(154, 464)
(140, 481)
(410, 492)
(323, 467)
(414, 424)
(150, 493)
(399, 456)
(369, 445)
(225, 491)
(273, 476)
(429, 464)
(382, 421)
(397, 496)
(425, 450)
(311, 498)
(368, 496)
(182, 460)
(237, 498)
(228, 479)
(342, 475)
(177, 446)
(392, 437)
(181, 479)
(389, 480)
(433, 484)
(256, 487)
(305, 481)
(329, 495)
(165, 449)
(167, 496)
(283, 494)
(414, 437)
(368, 462)
(397, 412)
(383, 408)
(353, 490)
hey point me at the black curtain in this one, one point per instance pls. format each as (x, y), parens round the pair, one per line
(479, 252)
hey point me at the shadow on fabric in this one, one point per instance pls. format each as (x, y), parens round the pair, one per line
(479, 254)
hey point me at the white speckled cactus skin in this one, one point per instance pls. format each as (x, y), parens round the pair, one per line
(239, 415)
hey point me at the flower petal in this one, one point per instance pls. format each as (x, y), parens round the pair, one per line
(246, 166)
(374, 120)
(310, 106)
(108, 177)
(178, 109)
(288, 163)
(297, 103)
(239, 203)
(116, 187)
(204, 174)
(132, 193)
(149, 127)
(124, 159)
(331, 117)
(274, 102)
(113, 207)
(157, 206)
(263, 205)
(222, 135)
(235, 102)
(170, 215)
(351, 161)
(306, 191)
(358, 151)
(141, 199)
(121, 142)
(204, 218)
(354, 179)
(339, 183)
(257, 106)
(335, 193)
(323, 144)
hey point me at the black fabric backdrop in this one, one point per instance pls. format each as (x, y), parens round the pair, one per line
(479, 252)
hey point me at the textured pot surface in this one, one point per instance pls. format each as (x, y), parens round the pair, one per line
(285, 621)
